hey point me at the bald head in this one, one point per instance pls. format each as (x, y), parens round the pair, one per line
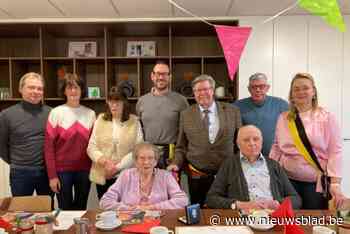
(249, 141)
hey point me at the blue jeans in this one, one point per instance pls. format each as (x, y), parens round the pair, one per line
(24, 182)
(75, 188)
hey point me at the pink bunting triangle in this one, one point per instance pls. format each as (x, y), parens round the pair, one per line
(232, 40)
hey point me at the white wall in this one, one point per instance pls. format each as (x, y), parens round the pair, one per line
(283, 47)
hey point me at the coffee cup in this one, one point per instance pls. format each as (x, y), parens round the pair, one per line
(322, 230)
(160, 230)
(108, 218)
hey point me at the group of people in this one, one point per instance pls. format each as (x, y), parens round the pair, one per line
(285, 149)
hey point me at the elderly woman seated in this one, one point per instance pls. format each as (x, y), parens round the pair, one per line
(144, 187)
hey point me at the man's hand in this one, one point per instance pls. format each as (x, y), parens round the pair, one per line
(268, 204)
(247, 205)
(55, 185)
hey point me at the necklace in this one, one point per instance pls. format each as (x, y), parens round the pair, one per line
(145, 187)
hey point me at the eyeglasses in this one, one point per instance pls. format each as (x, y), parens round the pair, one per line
(255, 87)
(202, 90)
(159, 74)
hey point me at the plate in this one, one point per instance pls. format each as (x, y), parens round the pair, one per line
(100, 225)
(261, 227)
(258, 220)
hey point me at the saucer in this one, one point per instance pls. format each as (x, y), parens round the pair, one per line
(259, 226)
(100, 225)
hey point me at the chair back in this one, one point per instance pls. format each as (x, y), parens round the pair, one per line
(30, 203)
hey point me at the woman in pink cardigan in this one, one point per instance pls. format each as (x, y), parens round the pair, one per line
(144, 187)
(323, 132)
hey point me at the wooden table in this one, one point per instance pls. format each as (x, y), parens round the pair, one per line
(169, 219)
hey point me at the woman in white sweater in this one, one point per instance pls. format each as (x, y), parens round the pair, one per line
(113, 138)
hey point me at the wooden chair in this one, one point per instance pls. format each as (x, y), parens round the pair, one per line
(30, 204)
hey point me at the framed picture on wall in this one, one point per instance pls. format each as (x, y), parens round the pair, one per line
(94, 92)
(141, 48)
(82, 49)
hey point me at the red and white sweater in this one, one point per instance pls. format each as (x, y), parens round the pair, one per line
(67, 136)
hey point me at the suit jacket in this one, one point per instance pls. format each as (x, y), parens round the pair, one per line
(230, 185)
(193, 144)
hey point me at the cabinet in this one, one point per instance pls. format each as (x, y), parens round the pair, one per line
(190, 47)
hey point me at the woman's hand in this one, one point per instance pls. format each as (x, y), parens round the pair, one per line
(55, 185)
(110, 169)
(337, 194)
(145, 207)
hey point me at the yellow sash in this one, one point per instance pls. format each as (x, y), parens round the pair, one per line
(299, 144)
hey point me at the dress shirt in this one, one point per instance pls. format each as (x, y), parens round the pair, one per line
(214, 123)
(323, 133)
(257, 177)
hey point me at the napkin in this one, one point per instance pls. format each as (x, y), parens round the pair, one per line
(4, 224)
(143, 227)
(285, 210)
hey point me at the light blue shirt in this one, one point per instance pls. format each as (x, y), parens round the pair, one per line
(214, 123)
(264, 116)
(257, 177)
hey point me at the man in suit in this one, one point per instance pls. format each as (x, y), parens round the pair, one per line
(249, 180)
(206, 138)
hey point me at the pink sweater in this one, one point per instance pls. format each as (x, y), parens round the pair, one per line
(66, 139)
(125, 192)
(324, 135)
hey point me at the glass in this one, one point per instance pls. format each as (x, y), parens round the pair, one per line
(159, 74)
(255, 87)
(81, 225)
(202, 90)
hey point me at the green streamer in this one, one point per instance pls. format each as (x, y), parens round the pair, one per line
(327, 9)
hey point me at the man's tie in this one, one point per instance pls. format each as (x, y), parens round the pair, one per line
(206, 120)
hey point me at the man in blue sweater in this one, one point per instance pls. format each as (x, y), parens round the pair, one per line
(261, 110)
(22, 133)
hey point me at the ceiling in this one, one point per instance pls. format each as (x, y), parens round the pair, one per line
(87, 10)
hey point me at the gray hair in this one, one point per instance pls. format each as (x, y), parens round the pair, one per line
(257, 76)
(145, 146)
(202, 78)
(27, 76)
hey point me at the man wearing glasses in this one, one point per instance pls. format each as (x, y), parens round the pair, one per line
(159, 112)
(261, 110)
(206, 138)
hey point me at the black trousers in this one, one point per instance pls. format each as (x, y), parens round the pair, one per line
(102, 189)
(198, 188)
(311, 200)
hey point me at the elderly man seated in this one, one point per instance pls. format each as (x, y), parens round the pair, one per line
(249, 180)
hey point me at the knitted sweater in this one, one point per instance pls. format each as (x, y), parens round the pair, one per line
(67, 135)
(22, 131)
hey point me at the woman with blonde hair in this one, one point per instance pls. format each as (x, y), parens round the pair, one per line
(308, 146)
